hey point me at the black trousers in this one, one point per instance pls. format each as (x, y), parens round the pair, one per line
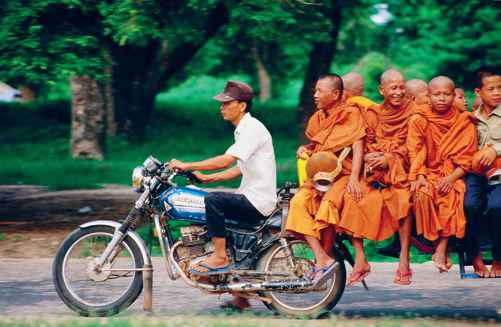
(482, 204)
(222, 206)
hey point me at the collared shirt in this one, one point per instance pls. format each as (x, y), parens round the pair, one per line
(256, 159)
(489, 132)
(489, 129)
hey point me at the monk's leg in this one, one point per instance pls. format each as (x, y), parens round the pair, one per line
(322, 258)
(404, 233)
(361, 268)
(474, 204)
(440, 256)
(328, 236)
(494, 214)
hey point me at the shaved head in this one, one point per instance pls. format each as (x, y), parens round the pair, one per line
(441, 89)
(415, 86)
(353, 84)
(391, 75)
(392, 88)
(440, 81)
(416, 90)
(334, 80)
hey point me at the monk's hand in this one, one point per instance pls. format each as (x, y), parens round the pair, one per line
(302, 151)
(445, 185)
(378, 162)
(421, 182)
(178, 164)
(354, 188)
(372, 155)
(488, 157)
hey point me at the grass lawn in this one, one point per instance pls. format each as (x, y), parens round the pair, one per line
(35, 147)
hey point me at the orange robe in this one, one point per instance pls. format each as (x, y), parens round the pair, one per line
(376, 216)
(342, 127)
(438, 143)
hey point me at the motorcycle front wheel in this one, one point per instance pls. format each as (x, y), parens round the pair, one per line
(312, 303)
(97, 292)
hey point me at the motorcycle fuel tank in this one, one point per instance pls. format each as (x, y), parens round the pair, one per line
(185, 203)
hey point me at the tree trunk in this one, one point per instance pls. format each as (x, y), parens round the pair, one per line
(134, 87)
(109, 101)
(140, 72)
(88, 124)
(263, 77)
(320, 59)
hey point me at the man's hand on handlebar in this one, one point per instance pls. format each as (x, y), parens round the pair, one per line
(202, 178)
(177, 164)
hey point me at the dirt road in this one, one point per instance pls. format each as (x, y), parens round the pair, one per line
(26, 289)
(34, 221)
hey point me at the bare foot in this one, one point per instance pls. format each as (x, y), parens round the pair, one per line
(448, 262)
(440, 261)
(496, 269)
(480, 268)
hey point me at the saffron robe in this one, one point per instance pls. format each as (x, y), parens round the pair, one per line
(340, 127)
(386, 198)
(438, 143)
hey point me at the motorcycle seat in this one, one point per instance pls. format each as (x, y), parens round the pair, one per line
(273, 220)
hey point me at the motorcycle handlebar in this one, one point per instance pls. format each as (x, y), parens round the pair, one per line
(188, 174)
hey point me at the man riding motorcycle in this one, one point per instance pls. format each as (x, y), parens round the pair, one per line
(256, 197)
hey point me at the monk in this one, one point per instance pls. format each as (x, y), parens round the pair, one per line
(460, 102)
(483, 192)
(441, 142)
(416, 90)
(354, 90)
(384, 207)
(333, 127)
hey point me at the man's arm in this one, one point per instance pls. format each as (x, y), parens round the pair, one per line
(224, 175)
(215, 163)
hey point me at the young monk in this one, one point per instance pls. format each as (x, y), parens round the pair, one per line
(354, 90)
(441, 142)
(483, 193)
(460, 102)
(416, 90)
(332, 127)
(384, 207)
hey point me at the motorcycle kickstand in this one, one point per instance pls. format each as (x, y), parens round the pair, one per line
(148, 288)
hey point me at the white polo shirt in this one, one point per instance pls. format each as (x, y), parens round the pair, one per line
(256, 159)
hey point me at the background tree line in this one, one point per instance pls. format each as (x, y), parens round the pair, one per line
(118, 55)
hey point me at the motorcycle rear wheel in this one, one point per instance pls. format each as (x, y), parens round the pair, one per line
(312, 304)
(91, 293)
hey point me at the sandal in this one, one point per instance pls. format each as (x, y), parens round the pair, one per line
(208, 270)
(357, 276)
(403, 278)
(319, 276)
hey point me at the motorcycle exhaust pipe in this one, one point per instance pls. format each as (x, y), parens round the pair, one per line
(267, 286)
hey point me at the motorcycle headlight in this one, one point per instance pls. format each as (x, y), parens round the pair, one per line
(137, 179)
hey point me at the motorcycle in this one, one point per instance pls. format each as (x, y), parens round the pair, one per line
(98, 269)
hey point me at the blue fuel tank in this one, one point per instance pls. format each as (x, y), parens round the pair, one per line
(185, 203)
